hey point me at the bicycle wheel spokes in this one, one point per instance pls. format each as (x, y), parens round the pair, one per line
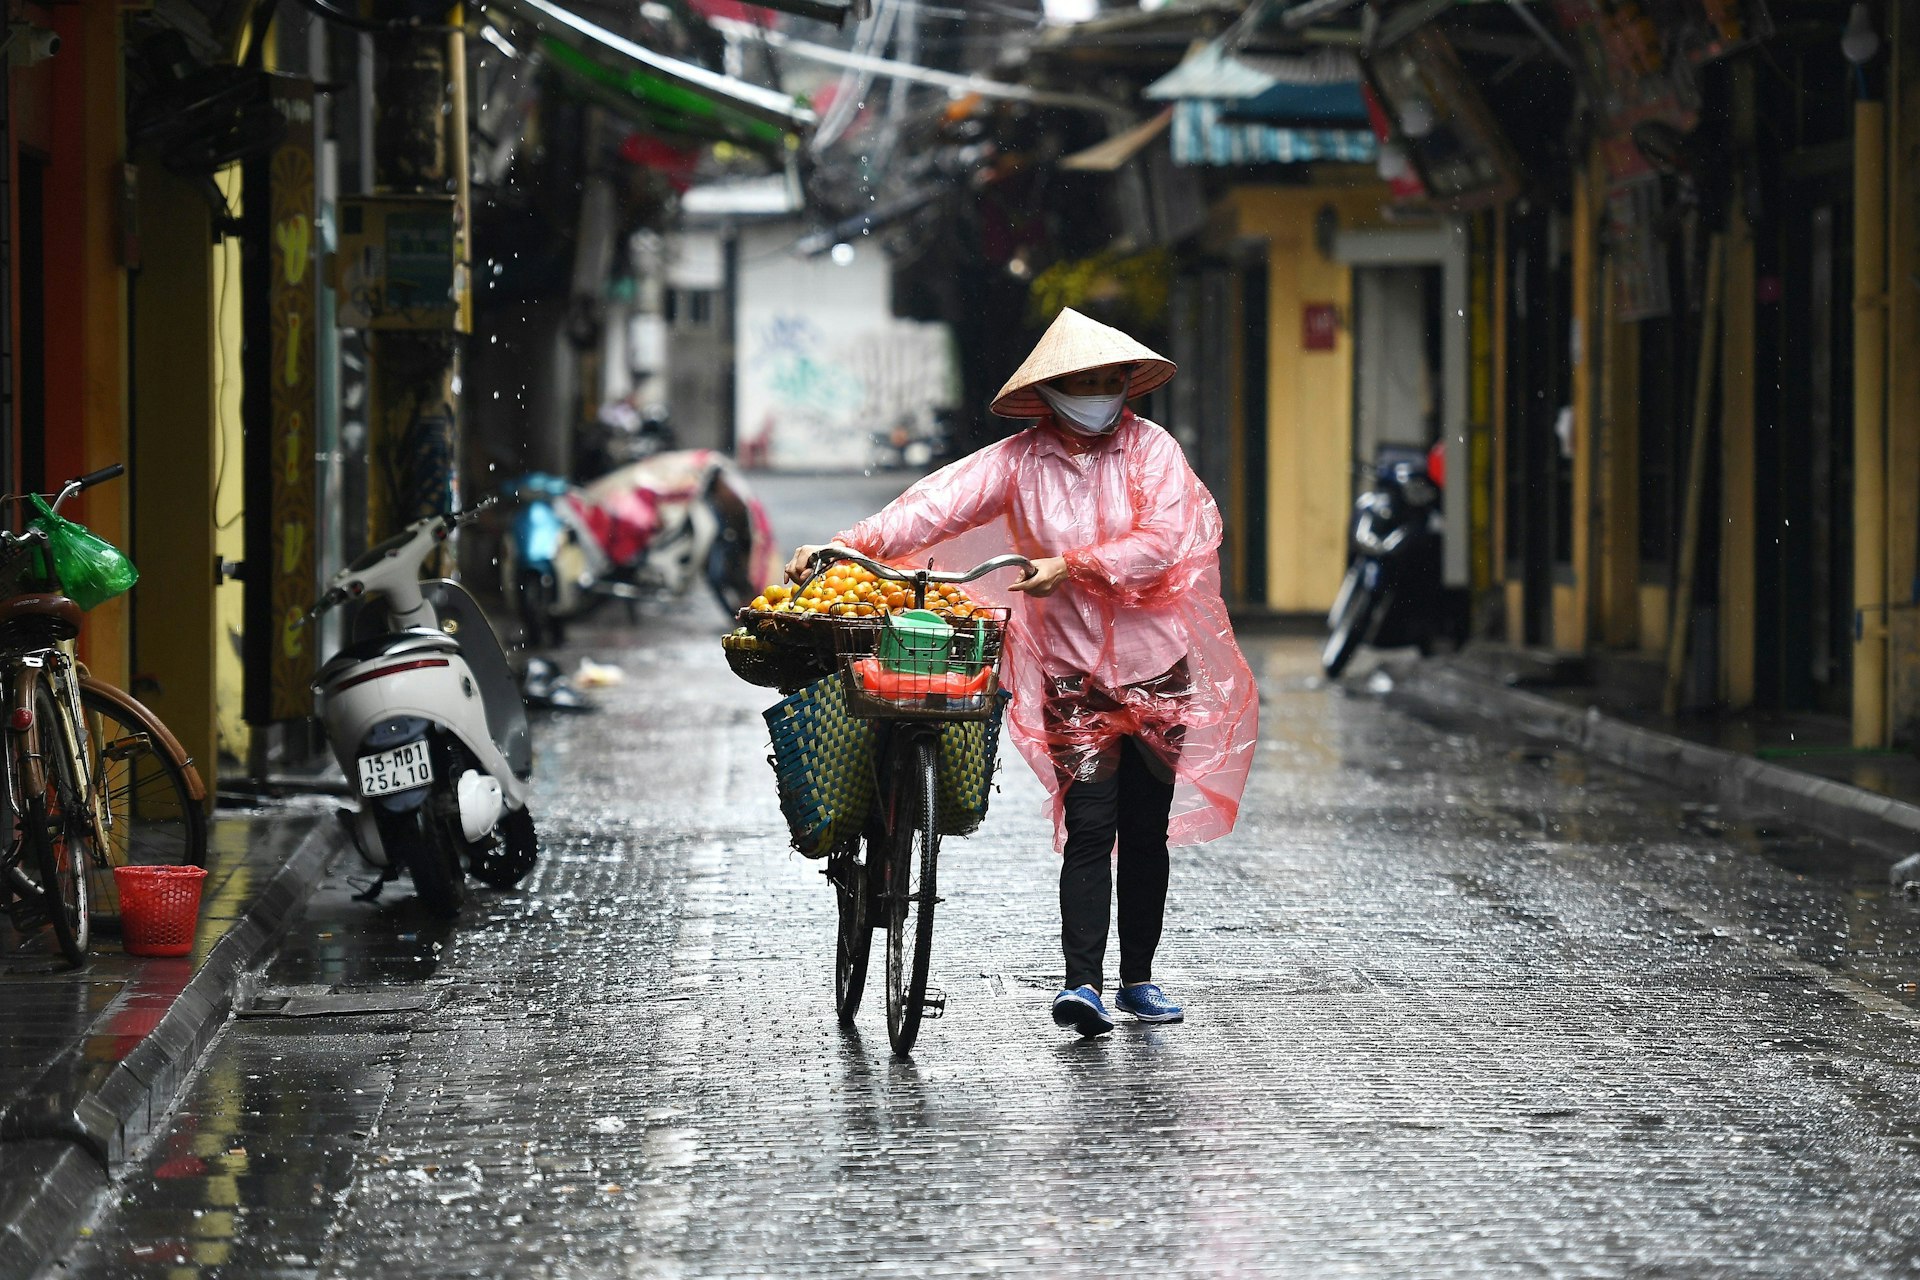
(57, 824)
(911, 893)
(148, 815)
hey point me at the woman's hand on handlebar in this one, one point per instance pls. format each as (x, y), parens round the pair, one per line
(1048, 573)
(801, 565)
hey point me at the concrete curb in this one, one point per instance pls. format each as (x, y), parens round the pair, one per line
(1879, 823)
(59, 1147)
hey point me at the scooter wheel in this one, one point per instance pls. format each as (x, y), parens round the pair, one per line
(1349, 631)
(427, 843)
(506, 863)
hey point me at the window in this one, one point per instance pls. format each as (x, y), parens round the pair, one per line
(692, 308)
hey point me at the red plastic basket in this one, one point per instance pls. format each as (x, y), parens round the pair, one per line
(159, 909)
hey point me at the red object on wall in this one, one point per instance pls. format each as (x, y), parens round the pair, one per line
(675, 164)
(1320, 326)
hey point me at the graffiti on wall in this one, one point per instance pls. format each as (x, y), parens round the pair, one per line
(818, 397)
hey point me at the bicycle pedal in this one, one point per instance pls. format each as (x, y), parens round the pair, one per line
(934, 1003)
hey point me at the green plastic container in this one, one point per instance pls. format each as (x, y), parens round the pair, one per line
(915, 641)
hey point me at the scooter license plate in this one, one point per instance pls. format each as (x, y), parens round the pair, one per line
(401, 769)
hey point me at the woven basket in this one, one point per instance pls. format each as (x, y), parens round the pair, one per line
(823, 767)
(772, 666)
(792, 630)
(969, 750)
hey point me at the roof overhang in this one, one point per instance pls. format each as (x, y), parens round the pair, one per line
(691, 99)
(1108, 156)
(1318, 90)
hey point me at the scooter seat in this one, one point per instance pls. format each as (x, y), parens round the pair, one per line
(391, 644)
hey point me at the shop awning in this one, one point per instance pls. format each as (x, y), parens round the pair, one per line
(1105, 157)
(1202, 137)
(1319, 90)
(1234, 107)
(683, 97)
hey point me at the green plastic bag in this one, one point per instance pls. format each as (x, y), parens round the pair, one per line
(91, 570)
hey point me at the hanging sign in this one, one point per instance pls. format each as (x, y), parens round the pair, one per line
(295, 402)
(1458, 151)
(1320, 326)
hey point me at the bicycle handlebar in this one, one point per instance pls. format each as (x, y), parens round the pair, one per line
(71, 487)
(101, 476)
(832, 555)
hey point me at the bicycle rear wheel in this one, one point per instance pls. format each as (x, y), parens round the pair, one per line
(147, 811)
(911, 892)
(852, 875)
(55, 823)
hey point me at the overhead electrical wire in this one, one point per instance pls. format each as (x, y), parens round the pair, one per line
(1117, 115)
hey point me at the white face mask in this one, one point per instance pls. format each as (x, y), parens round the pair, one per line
(1088, 415)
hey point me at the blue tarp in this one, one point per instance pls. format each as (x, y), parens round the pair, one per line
(1199, 138)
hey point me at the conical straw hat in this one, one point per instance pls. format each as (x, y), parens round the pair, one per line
(1074, 344)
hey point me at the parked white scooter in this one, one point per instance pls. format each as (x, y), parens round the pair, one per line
(425, 717)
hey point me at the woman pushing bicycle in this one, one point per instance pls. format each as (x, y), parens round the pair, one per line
(1131, 701)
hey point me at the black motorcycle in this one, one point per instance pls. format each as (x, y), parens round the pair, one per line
(1394, 593)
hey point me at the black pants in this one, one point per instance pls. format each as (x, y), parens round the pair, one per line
(1131, 806)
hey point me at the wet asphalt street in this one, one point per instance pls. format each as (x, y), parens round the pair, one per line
(1455, 1006)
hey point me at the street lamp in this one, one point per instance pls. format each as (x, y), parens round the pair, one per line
(1860, 41)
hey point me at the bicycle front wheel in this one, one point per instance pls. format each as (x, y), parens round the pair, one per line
(148, 813)
(910, 892)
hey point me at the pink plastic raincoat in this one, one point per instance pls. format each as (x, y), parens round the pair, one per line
(1135, 643)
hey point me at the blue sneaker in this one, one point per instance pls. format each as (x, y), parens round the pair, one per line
(1080, 1008)
(1147, 1002)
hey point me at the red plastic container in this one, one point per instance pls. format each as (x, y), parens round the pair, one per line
(159, 909)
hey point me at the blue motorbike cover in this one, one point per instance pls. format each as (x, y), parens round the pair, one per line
(537, 533)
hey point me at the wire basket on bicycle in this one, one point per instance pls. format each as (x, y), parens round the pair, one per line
(919, 665)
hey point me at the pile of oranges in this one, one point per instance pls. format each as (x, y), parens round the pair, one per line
(847, 590)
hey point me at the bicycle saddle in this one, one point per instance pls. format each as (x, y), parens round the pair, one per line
(62, 614)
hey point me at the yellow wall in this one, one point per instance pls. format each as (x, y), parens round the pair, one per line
(1309, 393)
(1903, 372)
(229, 498)
(173, 463)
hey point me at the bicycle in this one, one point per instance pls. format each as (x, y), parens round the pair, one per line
(901, 838)
(110, 787)
(56, 817)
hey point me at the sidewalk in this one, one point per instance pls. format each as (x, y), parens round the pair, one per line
(91, 1059)
(1800, 766)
